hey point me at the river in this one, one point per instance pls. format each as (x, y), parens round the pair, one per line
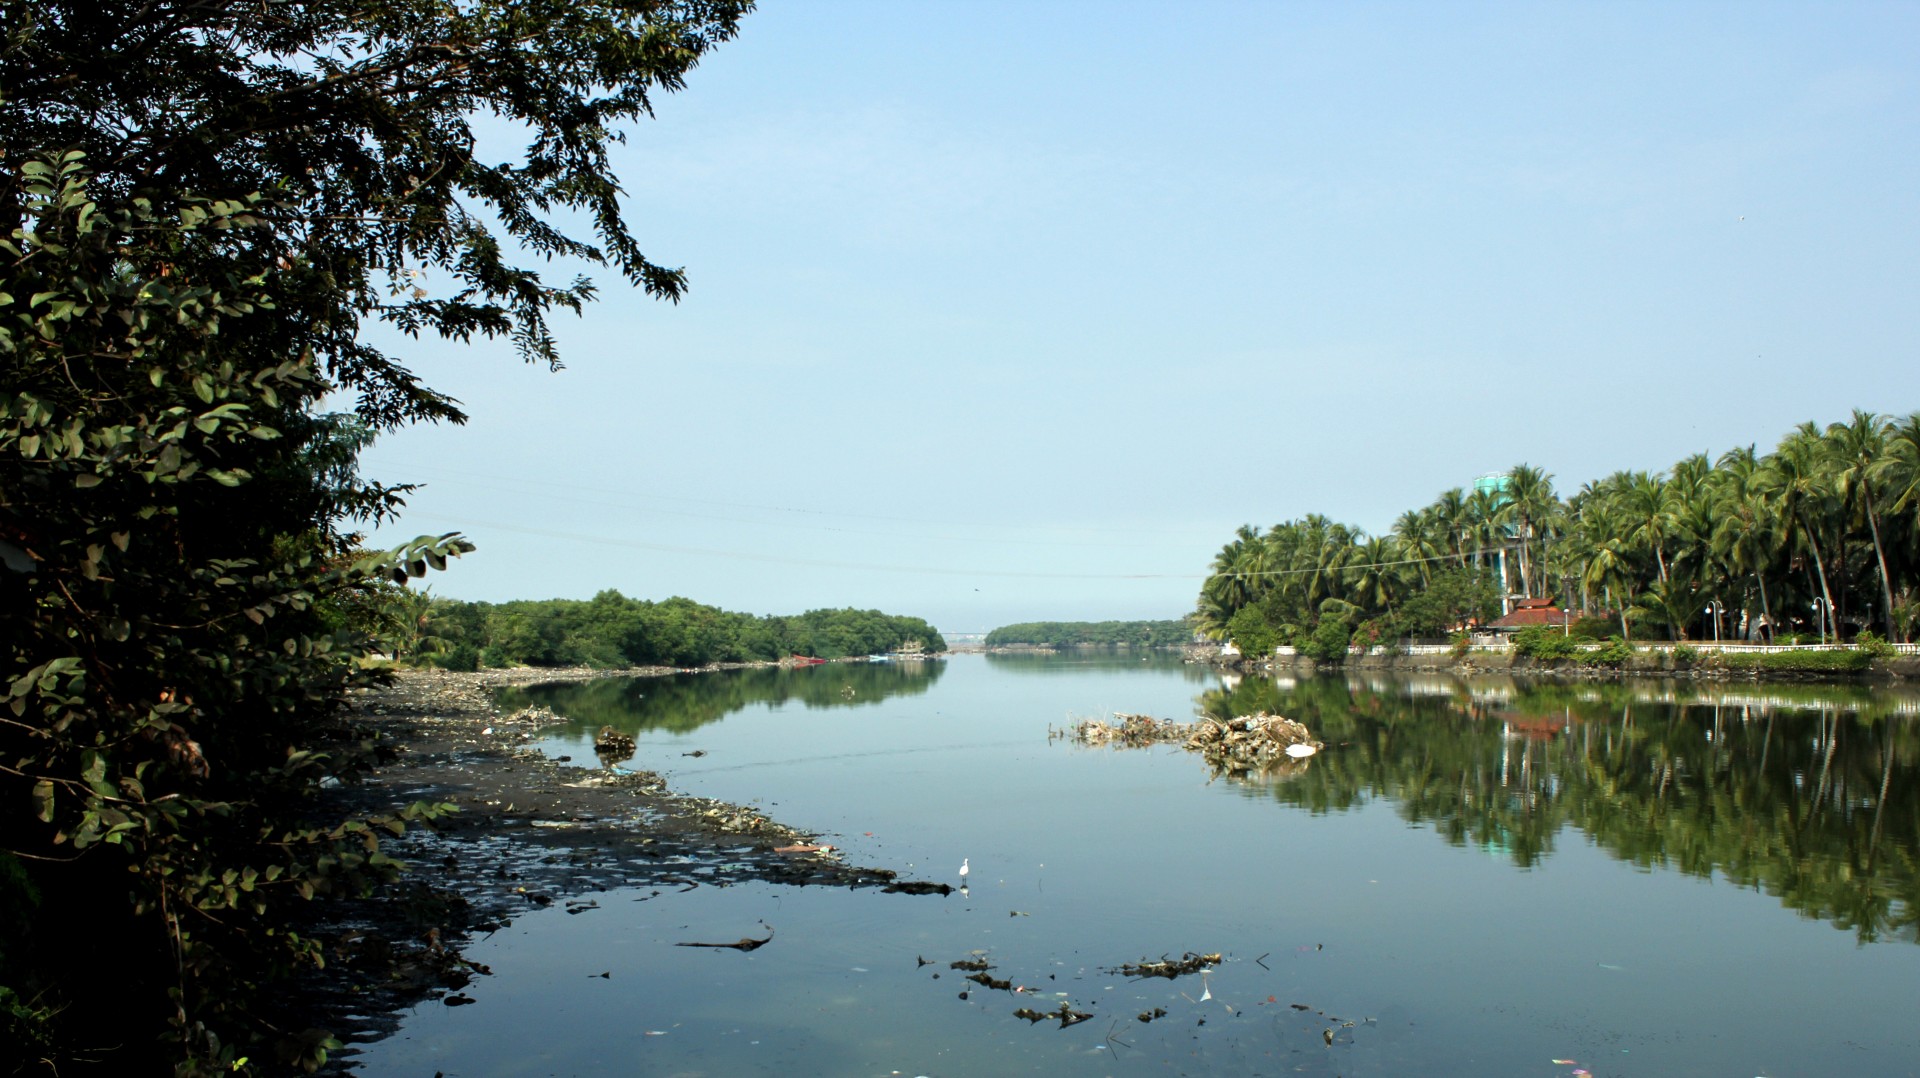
(1476, 876)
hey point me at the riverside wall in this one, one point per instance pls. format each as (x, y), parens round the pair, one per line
(1645, 663)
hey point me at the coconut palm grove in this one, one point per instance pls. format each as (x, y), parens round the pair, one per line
(1818, 539)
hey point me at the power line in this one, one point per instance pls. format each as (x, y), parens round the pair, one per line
(815, 563)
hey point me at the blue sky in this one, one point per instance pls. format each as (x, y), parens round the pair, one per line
(1013, 311)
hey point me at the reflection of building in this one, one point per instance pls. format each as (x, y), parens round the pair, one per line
(1531, 612)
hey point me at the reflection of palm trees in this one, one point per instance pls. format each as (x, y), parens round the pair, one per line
(1824, 812)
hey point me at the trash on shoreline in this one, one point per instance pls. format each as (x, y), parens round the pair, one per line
(614, 743)
(535, 715)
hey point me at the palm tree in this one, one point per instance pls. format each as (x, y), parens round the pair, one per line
(1857, 448)
(1743, 526)
(1451, 512)
(1530, 499)
(1372, 583)
(1796, 485)
(1484, 528)
(1642, 498)
(1416, 531)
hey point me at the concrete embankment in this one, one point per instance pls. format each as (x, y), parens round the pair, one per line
(1646, 662)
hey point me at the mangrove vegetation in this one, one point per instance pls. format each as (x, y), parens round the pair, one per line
(1067, 634)
(611, 630)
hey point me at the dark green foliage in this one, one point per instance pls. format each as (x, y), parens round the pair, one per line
(1452, 598)
(1329, 640)
(611, 630)
(1139, 634)
(1540, 642)
(183, 616)
(1873, 646)
(201, 204)
(358, 118)
(1252, 633)
(1615, 653)
(1593, 628)
(1847, 661)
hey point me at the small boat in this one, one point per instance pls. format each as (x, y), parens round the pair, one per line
(807, 660)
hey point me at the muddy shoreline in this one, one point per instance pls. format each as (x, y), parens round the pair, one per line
(530, 833)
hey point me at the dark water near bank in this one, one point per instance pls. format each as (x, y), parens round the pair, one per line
(1481, 876)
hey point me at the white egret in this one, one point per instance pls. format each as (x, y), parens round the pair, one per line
(963, 872)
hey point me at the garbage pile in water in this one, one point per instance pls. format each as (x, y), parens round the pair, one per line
(1258, 744)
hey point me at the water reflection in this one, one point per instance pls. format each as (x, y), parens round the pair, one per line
(1051, 663)
(1809, 793)
(682, 703)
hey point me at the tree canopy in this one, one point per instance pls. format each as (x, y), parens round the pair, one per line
(1144, 634)
(1818, 539)
(612, 630)
(204, 206)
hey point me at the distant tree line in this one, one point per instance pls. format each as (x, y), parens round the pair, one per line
(1818, 539)
(1139, 634)
(612, 630)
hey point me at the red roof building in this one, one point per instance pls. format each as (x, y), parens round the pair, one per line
(1530, 612)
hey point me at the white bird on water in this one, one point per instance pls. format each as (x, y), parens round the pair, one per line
(963, 872)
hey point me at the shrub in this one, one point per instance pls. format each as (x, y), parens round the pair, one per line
(1540, 642)
(1873, 646)
(1462, 643)
(1251, 634)
(1850, 661)
(1685, 656)
(1329, 640)
(1614, 654)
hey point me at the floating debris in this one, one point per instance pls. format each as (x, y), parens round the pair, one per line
(1270, 744)
(1132, 731)
(916, 887)
(1251, 740)
(1066, 1014)
(1169, 968)
(747, 944)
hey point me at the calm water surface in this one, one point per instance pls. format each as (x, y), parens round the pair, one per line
(1477, 877)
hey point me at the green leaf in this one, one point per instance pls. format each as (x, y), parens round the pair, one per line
(43, 801)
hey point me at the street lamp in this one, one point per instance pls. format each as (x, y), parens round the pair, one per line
(1713, 609)
(1821, 615)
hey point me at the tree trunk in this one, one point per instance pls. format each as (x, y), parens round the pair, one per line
(1879, 553)
(1814, 542)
